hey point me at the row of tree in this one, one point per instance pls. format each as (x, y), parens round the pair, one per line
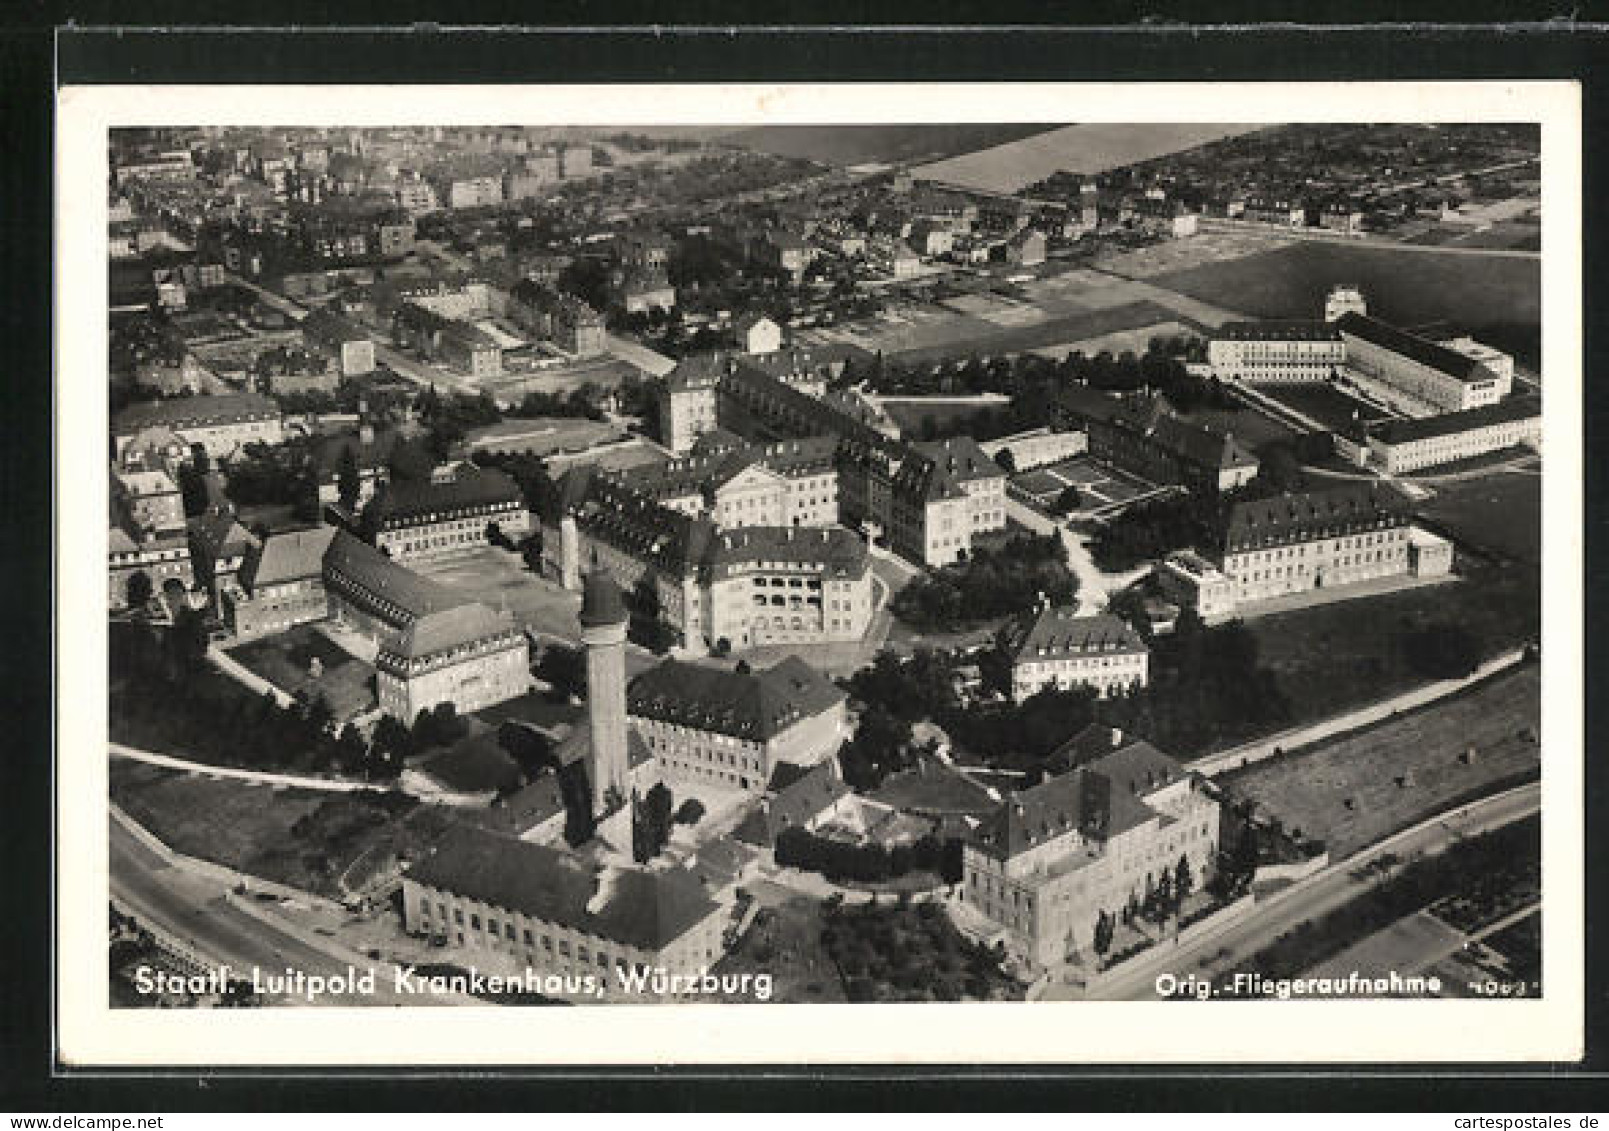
(797, 847)
(990, 583)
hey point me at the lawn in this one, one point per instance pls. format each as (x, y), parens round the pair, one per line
(1498, 514)
(971, 338)
(1495, 298)
(784, 942)
(1324, 403)
(285, 660)
(1329, 658)
(1309, 790)
(303, 838)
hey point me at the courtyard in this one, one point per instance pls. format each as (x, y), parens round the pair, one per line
(1099, 487)
(304, 660)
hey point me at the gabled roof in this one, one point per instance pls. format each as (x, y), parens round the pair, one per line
(415, 594)
(961, 458)
(1278, 331)
(401, 501)
(291, 556)
(1294, 517)
(192, 412)
(755, 706)
(1408, 430)
(220, 532)
(1084, 801)
(648, 910)
(442, 631)
(1412, 346)
(1059, 631)
(805, 799)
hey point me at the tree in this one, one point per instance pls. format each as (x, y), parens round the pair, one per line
(564, 669)
(690, 812)
(1184, 880)
(349, 479)
(1105, 927)
(139, 589)
(576, 792)
(1006, 460)
(1069, 500)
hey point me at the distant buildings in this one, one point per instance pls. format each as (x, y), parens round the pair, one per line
(1052, 860)
(1276, 353)
(339, 338)
(566, 321)
(1397, 446)
(1425, 375)
(1060, 649)
(756, 333)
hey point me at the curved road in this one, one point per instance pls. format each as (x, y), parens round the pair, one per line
(1307, 899)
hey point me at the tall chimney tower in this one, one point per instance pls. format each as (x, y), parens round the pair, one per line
(603, 633)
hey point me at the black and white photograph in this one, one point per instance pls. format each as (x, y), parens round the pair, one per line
(571, 551)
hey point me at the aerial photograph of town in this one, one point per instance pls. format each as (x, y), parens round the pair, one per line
(1034, 562)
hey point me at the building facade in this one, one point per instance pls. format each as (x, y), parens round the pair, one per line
(221, 424)
(410, 520)
(1060, 649)
(1425, 377)
(1276, 353)
(1055, 858)
(1399, 446)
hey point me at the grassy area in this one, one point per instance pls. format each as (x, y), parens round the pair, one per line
(1351, 791)
(784, 942)
(1329, 658)
(1324, 403)
(303, 838)
(998, 340)
(1498, 514)
(1498, 299)
(285, 660)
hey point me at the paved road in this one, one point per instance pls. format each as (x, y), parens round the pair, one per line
(1308, 899)
(1095, 587)
(195, 909)
(257, 777)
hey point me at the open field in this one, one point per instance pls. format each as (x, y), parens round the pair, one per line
(1092, 147)
(864, 144)
(1192, 251)
(1498, 514)
(307, 840)
(284, 660)
(1324, 403)
(1309, 790)
(1497, 299)
(995, 340)
(1329, 658)
(1135, 341)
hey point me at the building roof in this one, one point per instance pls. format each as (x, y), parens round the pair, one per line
(756, 706)
(632, 907)
(1196, 444)
(402, 502)
(526, 808)
(841, 552)
(415, 594)
(1312, 514)
(697, 371)
(1295, 330)
(291, 556)
(220, 532)
(192, 412)
(1406, 431)
(961, 458)
(1059, 631)
(1085, 801)
(803, 800)
(446, 629)
(143, 484)
(1426, 352)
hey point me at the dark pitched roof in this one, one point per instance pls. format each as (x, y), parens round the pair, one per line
(1059, 631)
(437, 632)
(403, 500)
(1406, 431)
(1197, 444)
(1413, 347)
(648, 910)
(291, 556)
(1085, 801)
(416, 595)
(1297, 517)
(756, 705)
(475, 765)
(801, 801)
(839, 551)
(182, 412)
(1278, 331)
(961, 458)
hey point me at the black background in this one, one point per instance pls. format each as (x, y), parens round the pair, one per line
(35, 53)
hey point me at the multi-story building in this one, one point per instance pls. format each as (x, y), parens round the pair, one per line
(1193, 582)
(1147, 440)
(1276, 353)
(280, 585)
(751, 585)
(472, 192)
(417, 197)
(1322, 540)
(341, 339)
(1060, 649)
(1427, 377)
(1396, 446)
(982, 480)
(730, 729)
(454, 511)
(568, 322)
(161, 556)
(687, 406)
(220, 424)
(758, 333)
(434, 646)
(219, 546)
(512, 906)
(1052, 860)
(787, 483)
(1038, 447)
(151, 500)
